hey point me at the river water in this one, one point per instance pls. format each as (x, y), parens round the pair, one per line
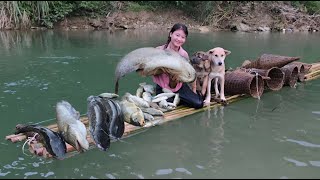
(277, 136)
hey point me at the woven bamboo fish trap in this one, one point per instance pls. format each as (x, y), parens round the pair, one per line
(267, 61)
(276, 77)
(241, 82)
(303, 69)
(291, 74)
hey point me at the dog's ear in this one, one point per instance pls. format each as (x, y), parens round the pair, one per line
(199, 54)
(205, 56)
(207, 64)
(227, 52)
(210, 51)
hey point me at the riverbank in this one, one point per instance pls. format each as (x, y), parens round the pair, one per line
(249, 17)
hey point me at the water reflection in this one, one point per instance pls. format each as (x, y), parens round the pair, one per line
(16, 42)
(212, 121)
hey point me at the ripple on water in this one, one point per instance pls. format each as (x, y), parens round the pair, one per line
(183, 170)
(304, 143)
(30, 174)
(111, 54)
(8, 166)
(297, 163)
(164, 171)
(110, 176)
(138, 175)
(315, 163)
(2, 174)
(59, 57)
(50, 173)
(316, 113)
(28, 82)
(199, 166)
(10, 91)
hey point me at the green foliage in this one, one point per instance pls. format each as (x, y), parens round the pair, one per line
(92, 8)
(61, 9)
(136, 7)
(158, 5)
(312, 7)
(58, 11)
(181, 3)
(296, 4)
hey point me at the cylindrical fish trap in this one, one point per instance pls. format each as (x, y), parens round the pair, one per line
(267, 61)
(276, 76)
(240, 82)
(291, 74)
(303, 69)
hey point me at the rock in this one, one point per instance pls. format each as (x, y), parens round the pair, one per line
(204, 29)
(263, 28)
(95, 23)
(240, 27)
(85, 26)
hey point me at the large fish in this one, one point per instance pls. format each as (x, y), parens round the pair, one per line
(70, 126)
(132, 113)
(152, 61)
(117, 126)
(99, 122)
(53, 141)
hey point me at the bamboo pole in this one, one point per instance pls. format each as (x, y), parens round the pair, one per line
(315, 67)
(312, 74)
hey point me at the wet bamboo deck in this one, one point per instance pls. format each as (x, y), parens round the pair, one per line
(179, 112)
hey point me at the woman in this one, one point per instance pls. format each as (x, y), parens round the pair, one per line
(177, 37)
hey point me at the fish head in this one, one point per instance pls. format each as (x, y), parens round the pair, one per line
(89, 98)
(101, 147)
(188, 74)
(18, 128)
(77, 138)
(138, 118)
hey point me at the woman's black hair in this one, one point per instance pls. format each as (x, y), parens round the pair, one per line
(175, 27)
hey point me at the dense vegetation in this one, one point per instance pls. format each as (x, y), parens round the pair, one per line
(23, 14)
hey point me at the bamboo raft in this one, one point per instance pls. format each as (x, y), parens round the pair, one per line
(179, 112)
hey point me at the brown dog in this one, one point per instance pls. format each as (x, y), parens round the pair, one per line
(201, 63)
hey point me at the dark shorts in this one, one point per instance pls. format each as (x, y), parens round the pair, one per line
(187, 96)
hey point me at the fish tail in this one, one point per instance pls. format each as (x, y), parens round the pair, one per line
(116, 87)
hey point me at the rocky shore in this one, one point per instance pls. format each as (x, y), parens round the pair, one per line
(276, 16)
